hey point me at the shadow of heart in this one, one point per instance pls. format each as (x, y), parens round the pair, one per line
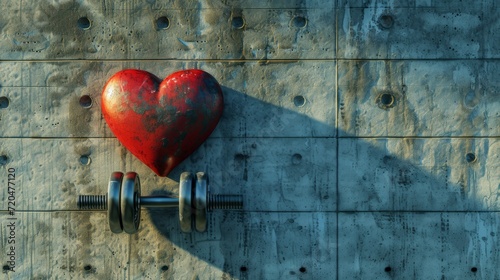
(316, 200)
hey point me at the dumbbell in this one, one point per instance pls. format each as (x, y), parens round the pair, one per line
(124, 201)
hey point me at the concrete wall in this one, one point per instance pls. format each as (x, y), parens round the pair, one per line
(363, 134)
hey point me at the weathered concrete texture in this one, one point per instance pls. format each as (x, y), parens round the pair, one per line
(290, 173)
(431, 98)
(110, 6)
(268, 245)
(417, 29)
(363, 134)
(418, 246)
(65, 245)
(203, 30)
(294, 99)
(419, 174)
(50, 173)
(279, 174)
(44, 98)
(285, 245)
(129, 30)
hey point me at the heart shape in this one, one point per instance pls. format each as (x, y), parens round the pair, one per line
(162, 122)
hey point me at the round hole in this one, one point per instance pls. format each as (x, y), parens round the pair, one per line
(162, 23)
(85, 160)
(243, 269)
(83, 23)
(299, 100)
(164, 268)
(474, 269)
(6, 267)
(237, 22)
(470, 157)
(386, 21)
(299, 21)
(302, 269)
(4, 159)
(87, 267)
(86, 101)
(386, 100)
(296, 159)
(4, 102)
(387, 269)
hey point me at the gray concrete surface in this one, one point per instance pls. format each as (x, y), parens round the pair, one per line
(337, 184)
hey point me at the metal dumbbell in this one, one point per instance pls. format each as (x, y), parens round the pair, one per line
(124, 201)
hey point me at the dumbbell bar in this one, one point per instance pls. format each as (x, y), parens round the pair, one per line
(124, 201)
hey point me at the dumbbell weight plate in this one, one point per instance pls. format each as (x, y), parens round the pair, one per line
(114, 211)
(130, 208)
(200, 202)
(185, 206)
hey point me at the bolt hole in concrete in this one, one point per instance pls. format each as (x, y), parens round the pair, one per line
(4, 159)
(474, 269)
(162, 23)
(86, 101)
(303, 269)
(237, 22)
(83, 23)
(6, 268)
(164, 268)
(87, 267)
(387, 269)
(296, 159)
(470, 157)
(243, 269)
(299, 21)
(386, 21)
(299, 101)
(4, 102)
(386, 100)
(85, 160)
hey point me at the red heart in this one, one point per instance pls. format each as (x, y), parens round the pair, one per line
(162, 122)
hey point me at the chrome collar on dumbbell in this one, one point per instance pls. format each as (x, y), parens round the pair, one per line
(124, 202)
